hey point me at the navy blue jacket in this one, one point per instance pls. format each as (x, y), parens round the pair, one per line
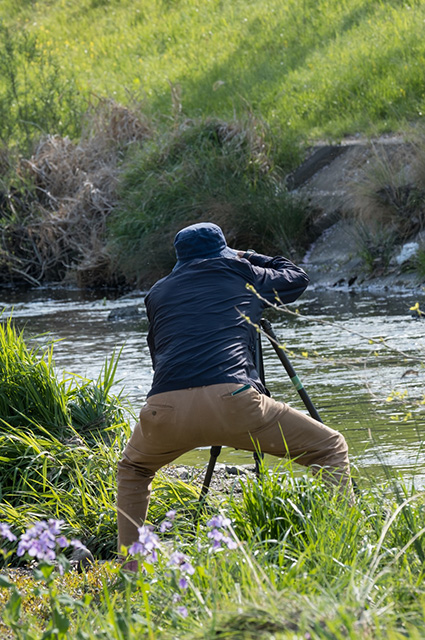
(197, 335)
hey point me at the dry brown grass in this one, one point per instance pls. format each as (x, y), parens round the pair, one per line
(388, 193)
(59, 227)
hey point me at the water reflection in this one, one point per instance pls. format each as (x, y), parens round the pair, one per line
(349, 378)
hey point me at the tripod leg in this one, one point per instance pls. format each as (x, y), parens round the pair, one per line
(214, 453)
(258, 457)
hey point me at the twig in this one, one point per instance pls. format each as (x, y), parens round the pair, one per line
(381, 341)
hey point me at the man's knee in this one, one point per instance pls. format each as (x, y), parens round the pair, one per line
(128, 467)
(341, 445)
(337, 451)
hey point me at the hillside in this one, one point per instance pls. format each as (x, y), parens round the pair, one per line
(309, 68)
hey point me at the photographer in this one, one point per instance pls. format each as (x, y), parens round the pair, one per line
(206, 390)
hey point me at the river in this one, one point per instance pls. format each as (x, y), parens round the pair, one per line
(371, 394)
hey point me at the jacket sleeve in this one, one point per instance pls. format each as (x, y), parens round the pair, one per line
(279, 277)
(150, 338)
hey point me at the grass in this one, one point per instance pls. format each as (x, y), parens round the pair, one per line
(58, 442)
(329, 571)
(305, 563)
(287, 74)
(311, 69)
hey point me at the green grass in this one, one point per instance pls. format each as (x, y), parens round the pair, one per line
(210, 170)
(306, 564)
(328, 571)
(310, 69)
(59, 442)
(299, 70)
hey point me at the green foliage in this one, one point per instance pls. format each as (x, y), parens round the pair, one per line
(35, 96)
(32, 396)
(292, 517)
(207, 170)
(59, 443)
(29, 390)
(331, 568)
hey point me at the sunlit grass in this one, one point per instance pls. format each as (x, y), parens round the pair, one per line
(325, 68)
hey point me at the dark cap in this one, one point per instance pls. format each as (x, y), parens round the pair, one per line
(199, 241)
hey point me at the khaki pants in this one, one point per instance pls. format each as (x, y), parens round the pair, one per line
(175, 422)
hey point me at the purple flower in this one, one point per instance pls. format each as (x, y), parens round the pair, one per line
(181, 561)
(146, 545)
(219, 522)
(55, 526)
(182, 611)
(62, 542)
(218, 537)
(41, 540)
(183, 583)
(6, 533)
(167, 524)
(230, 544)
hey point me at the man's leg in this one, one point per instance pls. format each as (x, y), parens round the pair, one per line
(152, 445)
(311, 444)
(170, 424)
(257, 421)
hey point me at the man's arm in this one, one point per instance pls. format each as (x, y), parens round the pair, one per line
(276, 275)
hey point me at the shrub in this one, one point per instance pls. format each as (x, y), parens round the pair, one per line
(223, 172)
(375, 246)
(388, 193)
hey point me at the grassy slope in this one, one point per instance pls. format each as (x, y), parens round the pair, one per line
(317, 68)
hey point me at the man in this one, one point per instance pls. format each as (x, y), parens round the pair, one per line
(206, 390)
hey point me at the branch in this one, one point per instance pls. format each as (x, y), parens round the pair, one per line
(283, 308)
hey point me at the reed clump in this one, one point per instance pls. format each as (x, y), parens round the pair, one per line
(59, 441)
(54, 217)
(221, 171)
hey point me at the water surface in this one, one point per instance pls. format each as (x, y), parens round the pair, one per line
(349, 378)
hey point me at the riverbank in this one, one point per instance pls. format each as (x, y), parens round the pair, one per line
(366, 199)
(104, 213)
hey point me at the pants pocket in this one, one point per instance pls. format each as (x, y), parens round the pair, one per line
(243, 410)
(155, 418)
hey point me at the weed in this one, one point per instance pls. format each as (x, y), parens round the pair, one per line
(420, 262)
(375, 246)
